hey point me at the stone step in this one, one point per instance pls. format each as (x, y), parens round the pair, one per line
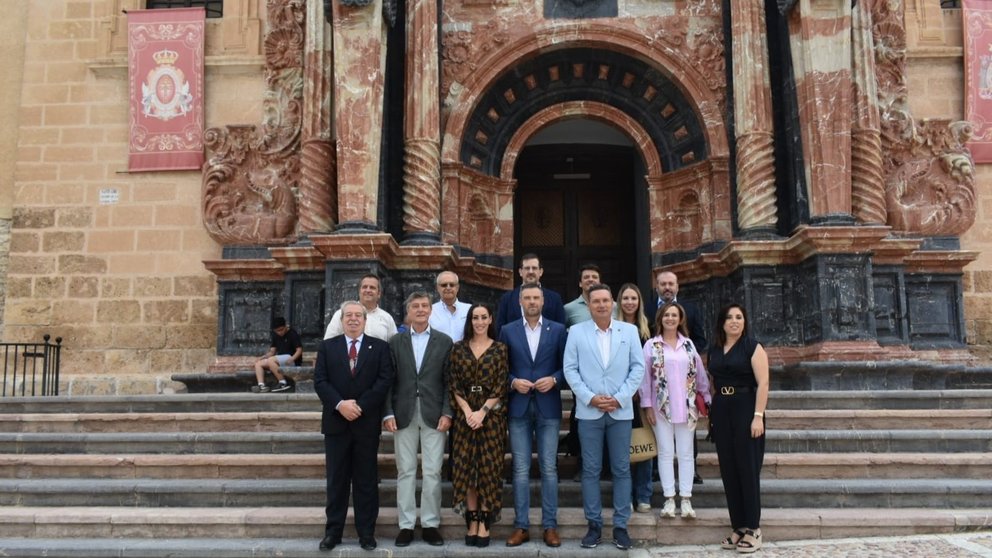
(288, 402)
(309, 421)
(777, 441)
(289, 421)
(775, 493)
(311, 466)
(305, 525)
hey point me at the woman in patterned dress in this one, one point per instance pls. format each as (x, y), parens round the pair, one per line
(479, 371)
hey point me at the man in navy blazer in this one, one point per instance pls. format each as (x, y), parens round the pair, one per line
(604, 364)
(536, 346)
(352, 376)
(509, 305)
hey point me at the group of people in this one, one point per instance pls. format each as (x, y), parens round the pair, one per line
(483, 374)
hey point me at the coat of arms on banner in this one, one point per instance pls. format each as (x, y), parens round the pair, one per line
(165, 91)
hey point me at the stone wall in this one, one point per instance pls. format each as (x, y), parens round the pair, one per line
(936, 78)
(122, 283)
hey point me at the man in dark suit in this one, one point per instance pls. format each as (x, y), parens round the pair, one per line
(509, 305)
(536, 346)
(418, 412)
(352, 376)
(667, 285)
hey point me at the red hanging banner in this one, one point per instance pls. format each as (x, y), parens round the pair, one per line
(978, 76)
(165, 71)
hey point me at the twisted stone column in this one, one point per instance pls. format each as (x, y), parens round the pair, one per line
(867, 183)
(422, 133)
(756, 195)
(318, 193)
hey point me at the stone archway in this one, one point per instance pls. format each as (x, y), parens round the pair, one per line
(529, 85)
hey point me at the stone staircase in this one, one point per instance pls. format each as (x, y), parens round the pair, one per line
(225, 474)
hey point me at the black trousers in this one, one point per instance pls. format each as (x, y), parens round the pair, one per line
(740, 457)
(351, 462)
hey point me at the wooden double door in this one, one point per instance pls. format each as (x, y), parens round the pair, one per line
(575, 204)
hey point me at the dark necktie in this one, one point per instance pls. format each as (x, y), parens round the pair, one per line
(353, 355)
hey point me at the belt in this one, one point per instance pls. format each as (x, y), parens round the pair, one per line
(734, 390)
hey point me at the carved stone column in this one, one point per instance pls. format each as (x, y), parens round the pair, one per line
(821, 42)
(422, 134)
(318, 192)
(867, 185)
(756, 196)
(359, 79)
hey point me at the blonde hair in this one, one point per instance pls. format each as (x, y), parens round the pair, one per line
(640, 320)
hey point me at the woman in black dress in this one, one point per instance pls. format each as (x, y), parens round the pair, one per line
(739, 367)
(479, 372)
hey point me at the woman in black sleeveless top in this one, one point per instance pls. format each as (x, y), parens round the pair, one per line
(739, 367)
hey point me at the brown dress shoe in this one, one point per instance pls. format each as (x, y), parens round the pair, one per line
(519, 537)
(551, 538)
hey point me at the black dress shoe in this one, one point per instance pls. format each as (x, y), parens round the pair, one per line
(432, 536)
(367, 543)
(405, 537)
(329, 542)
(696, 479)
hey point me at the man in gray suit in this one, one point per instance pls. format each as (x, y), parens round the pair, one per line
(418, 412)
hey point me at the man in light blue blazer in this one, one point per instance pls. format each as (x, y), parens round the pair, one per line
(604, 364)
(536, 346)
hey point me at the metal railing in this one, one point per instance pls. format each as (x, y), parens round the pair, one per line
(31, 368)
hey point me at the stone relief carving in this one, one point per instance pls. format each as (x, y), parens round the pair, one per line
(461, 52)
(251, 177)
(930, 182)
(706, 53)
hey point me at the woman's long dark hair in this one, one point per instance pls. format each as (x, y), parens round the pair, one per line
(721, 336)
(468, 333)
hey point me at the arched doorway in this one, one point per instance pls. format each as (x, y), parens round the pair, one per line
(576, 202)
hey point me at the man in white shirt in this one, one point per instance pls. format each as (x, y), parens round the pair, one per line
(448, 314)
(418, 412)
(379, 323)
(604, 364)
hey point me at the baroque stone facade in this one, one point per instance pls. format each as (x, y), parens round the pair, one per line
(804, 158)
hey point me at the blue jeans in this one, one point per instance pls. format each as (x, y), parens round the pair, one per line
(593, 435)
(522, 429)
(643, 487)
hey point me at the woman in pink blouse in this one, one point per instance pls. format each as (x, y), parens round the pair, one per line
(673, 375)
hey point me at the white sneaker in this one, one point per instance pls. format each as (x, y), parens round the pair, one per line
(644, 507)
(687, 511)
(668, 510)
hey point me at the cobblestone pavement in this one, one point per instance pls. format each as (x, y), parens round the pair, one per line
(962, 545)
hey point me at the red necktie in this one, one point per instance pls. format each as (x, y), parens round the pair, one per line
(353, 355)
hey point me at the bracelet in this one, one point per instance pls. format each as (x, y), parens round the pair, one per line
(485, 408)
(757, 414)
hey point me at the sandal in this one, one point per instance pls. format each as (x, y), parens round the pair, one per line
(750, 542)
(730, 543)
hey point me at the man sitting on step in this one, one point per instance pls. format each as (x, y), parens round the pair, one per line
(285, 348)
(418, 412)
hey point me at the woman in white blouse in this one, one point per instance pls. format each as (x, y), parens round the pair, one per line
(674, 374)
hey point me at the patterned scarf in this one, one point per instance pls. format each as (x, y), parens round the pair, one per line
(661, 382)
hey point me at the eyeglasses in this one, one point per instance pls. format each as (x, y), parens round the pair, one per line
(447, 285)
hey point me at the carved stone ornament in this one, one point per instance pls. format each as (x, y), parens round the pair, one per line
(461, 52)
(929, 174)
(389, 10)
(785, 5)
(707, 54)
(251, 177)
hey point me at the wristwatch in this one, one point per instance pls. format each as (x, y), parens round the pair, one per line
(486, 408)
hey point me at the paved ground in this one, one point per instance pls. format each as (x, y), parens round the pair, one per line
(962, 545)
